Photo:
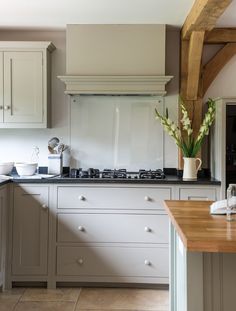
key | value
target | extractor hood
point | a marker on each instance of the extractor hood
(115, 59)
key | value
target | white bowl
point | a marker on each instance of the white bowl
(25, 168)
(6, 167)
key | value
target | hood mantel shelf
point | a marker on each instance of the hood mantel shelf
(129, 85)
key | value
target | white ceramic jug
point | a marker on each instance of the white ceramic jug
(191, 168)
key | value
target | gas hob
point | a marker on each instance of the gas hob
(93, 173)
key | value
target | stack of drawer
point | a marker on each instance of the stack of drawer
(112, 234)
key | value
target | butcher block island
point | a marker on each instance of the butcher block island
(202, 258)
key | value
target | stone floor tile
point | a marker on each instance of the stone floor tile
(43, 294)
(45, 306)
(9, 298)
(123, 299)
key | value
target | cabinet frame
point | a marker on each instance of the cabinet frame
(45, 48)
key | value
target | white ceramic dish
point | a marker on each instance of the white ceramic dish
(26, 168)
(6, 167)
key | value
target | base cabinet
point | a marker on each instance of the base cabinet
(30, 230)
(92, 233)
(3, 219)
(201, 281)
(112, 233)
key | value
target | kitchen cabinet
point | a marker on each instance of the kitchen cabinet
(111, 233)
(119, 233)
(30, 230)
(199, 193)
(25, 84)
(3, 210)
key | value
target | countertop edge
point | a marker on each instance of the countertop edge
(172, 180)
(195, 244)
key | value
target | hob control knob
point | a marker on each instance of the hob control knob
(82, 198)
(147, 262)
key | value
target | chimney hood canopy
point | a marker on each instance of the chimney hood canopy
(115, 59)
(128, 85)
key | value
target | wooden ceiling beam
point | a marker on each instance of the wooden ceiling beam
(194, 64)
(203, 16)
(214, 66)
(220, 35)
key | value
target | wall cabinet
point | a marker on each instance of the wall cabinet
(3, 218)
(30, 230)
(25, 84)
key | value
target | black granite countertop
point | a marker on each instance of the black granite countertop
(170, 179)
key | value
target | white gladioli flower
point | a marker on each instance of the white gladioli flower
(189, 131)
(173, 127)
(168, 121)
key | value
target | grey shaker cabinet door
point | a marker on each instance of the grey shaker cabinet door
(23, 87)
(3, 202)
(1, 87)
(30, 230)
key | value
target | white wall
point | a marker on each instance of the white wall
(224, 84)
(17, 144)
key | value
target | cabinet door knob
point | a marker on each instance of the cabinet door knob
(81, 228)
(7, 107)
(82, 198)
(147, 262)
(44, 206)
(147, 198)
(147, 229)
(80, 261)
(1, 107)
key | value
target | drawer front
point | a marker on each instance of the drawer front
(112, 198)
(197, 194)
(112, 261)
(112, 228)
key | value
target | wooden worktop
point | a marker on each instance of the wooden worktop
(199, 230)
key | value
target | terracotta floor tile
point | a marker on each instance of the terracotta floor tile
(43, 294)
(123, 299)
(45, 306)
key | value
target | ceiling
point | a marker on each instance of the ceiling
(55, 14)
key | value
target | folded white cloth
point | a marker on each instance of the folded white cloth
(219, 207)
